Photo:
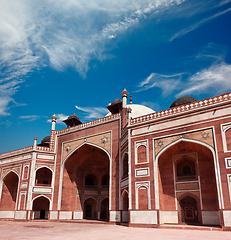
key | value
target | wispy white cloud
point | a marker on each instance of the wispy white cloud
(168, 83)
(29, 117)
(215, 78)
(67, 33)
(198, 24)
(93, 112)
(61, 33)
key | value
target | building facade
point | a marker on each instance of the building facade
(134, 166)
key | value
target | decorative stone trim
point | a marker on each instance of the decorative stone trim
(229, 185)
(142, 172)
(23, 171)
(16, 169)
(24, 185)
(42, 190)
(137, 145)
(224, 128)
(124, 183)
(16, 152)
(228, 162)
(89, 124)
(145, 184)
(182, 109)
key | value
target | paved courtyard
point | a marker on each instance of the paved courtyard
(59, 230)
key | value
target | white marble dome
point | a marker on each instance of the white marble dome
(137, 110)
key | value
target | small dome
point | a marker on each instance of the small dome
(46, 140)
(183, 100)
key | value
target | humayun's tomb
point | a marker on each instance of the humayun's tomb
(134, 166)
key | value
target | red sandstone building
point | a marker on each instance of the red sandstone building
(134, 165)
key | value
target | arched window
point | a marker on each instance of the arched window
(43, 176)
(186, 169)
(90, 181)
(125, 165)
(141, 154)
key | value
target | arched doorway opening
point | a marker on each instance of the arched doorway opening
(188, 210)
(186, 168)
(104, 213)
(125, 213)
(40, 209)
(43, 177)
(9, 192)
(90, 208)
(86, 176)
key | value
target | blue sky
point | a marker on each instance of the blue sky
(72, 56)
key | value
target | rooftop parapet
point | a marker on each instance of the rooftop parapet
(183, 109)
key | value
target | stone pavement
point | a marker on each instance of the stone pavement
(61, 230)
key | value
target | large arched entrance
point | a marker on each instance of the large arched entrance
(86, 182)
(9, 192)
(187, 184)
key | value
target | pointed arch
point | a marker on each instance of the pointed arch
(41, 196)
(43, 176)
(40, 207)
(80, 158)
(184, 140)
(81, 145)
(90, 208)
(215, 161)
(12, 170)
(9, 191)
(44, 166)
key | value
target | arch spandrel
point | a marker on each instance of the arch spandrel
(205, 136)
(37, 165)
(16, 169)
(102, 140)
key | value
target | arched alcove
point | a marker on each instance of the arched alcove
(40, 209)
(90, 209)
(9, 192)
(141, 154)
(188, 210)
(194, 174)
(43, 176)
(85, 176)
(90, 181)
(104, 209)
(125, 204)
(125, 165)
